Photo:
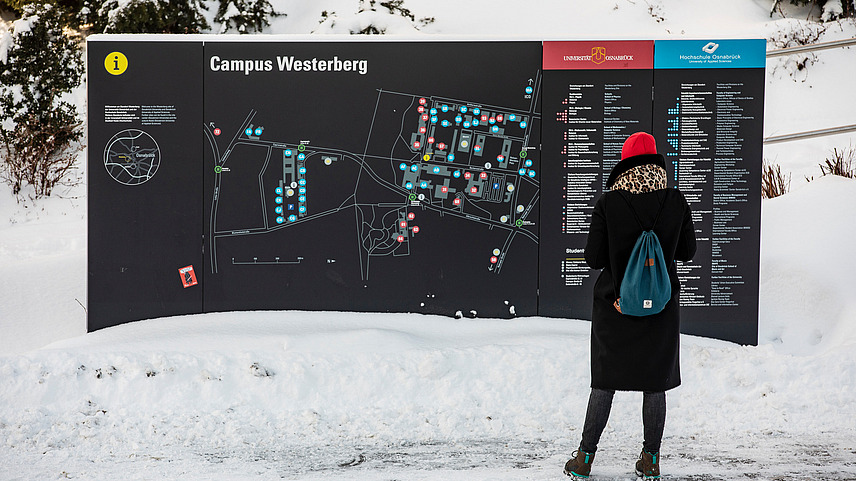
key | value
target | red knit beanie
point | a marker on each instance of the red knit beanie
(639, 143)
(639, 149)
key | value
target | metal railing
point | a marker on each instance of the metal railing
(810, 134)
(819, 132)
(811, 47)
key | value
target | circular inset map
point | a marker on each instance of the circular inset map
(132, 157)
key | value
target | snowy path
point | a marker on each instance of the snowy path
(777, 457)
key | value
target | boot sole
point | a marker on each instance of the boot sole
(642, 475)
(573, 474)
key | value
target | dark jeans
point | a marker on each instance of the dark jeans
(653, 419)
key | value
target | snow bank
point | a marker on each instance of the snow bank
(807, 267)
(42, 266)
(315, 391)
(42, 283)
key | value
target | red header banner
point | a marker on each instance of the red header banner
(599, 55)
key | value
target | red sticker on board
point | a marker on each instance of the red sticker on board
(188, 277)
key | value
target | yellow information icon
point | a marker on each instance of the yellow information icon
(116, 63)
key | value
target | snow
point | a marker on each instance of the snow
(804, 264)
(297, 394)
(832, 9)
(24, 25)
(344, 396)
(230, 13)
(10, 30)
(382, 22)
(5, 41)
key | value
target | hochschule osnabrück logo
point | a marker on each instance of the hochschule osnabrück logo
(710, 48)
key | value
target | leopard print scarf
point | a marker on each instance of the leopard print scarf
(642, 179)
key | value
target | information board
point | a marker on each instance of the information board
(406, 176)
(703, 102)
(144, 183)
(596, 94)
(708, 122)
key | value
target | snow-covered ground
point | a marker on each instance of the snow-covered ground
(325, 395)
(302, 395)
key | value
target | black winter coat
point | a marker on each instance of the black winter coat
(636, 353)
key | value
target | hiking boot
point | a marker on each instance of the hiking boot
(580, 465)
(648, 465)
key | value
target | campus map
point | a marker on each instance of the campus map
(426, 196)
(450, 158)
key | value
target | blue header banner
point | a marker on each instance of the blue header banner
(692, 54)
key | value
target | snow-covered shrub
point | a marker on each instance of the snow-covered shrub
(832, 10)
(395, 7)
(656, 11)
(5, 41)
(68, 8)
(825, 10)
(773, 182)
(14, 4)
(842, 162)
(244, 15)
(143, 16)
(39, 131)
(792, 33)
(391, 17)
(185, 16)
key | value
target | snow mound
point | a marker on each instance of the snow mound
(807, 267)
(311, 395)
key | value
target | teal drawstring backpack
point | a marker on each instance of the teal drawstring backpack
(645, 289)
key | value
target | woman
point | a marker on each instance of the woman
(633, 353)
